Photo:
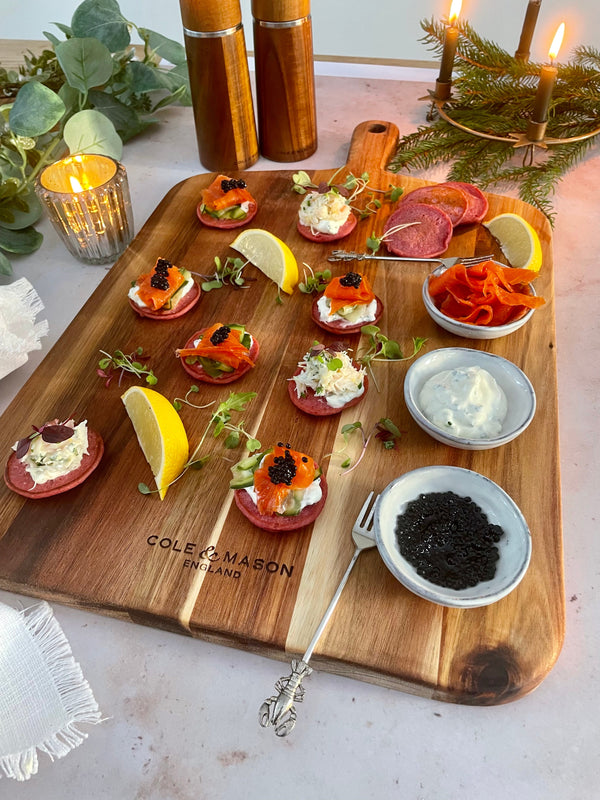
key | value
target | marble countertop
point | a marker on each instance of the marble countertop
(181, 714)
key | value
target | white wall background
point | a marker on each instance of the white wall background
(379, 29)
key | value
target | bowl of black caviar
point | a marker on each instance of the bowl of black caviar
(452, 536)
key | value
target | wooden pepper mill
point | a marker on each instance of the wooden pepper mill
(220, 83)
(285, 83)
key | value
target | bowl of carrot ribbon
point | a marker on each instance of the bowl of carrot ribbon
(486, 301)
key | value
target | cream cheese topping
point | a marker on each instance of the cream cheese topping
(362, 312)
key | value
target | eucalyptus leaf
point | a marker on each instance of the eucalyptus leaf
(103, 20)
(36, 110)
(170, 50)
(25, 213)
(23, 241)
(66, 29)
(90, 131)
(128, 123)
(54, 40)
(86, 62)
(142, 78)
(71, 98)
(5, 265)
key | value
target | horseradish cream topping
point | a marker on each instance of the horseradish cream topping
(466, 402)
(45, 461)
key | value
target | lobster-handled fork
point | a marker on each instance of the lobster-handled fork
(279, 711)
(349, 255)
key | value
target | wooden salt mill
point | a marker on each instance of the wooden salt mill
(285, 83)
(220, 83)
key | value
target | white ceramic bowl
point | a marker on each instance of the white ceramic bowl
(520, 395)
(466, 329)
(514, 547)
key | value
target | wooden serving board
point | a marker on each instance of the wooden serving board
(192, 564)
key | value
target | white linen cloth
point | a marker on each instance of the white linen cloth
(19, 332)
(43, 694)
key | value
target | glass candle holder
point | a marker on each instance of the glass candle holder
(87, 199)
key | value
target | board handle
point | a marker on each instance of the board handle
(373, 144)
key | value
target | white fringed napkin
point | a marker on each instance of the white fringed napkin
(43, 694)
(19, 332)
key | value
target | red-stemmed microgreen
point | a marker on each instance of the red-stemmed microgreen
(51, 433)
(219, 421)
(384, 429)
(120, 363)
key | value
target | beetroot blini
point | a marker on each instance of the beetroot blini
(316, 236)
(187, 302)
(18, 479)
(450, 199)
(276, 523)
(340, 325)
(477, 206)
(428, 239)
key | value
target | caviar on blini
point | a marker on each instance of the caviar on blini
(449, 540)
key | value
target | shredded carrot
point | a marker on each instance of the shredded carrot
(487, 294)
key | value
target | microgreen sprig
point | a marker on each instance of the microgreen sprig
(122, 363)
(315, 282)
(221, 421)
(381, 348)
(227, 273)
(384, 429)
(374, 242)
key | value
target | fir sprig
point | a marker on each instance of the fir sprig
(493, 93)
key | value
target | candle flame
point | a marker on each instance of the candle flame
(75, 185)
(454, 11)
(557, 41)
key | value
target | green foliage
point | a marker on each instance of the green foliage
(87, 93)
(493, 93)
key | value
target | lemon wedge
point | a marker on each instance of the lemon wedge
(160, 433)
(518, 240)
(270, 255)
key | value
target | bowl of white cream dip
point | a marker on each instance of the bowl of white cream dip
(469, 399)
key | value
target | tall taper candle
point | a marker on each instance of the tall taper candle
(450, 41)
(544, 93)
(531, 15)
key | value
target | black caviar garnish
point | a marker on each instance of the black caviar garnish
(158, 281)
(351, 279)
(283, 469)
(227, 184)
(448, 540)
(220, 335)
(163, 266)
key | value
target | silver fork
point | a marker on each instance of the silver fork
(349, 255)
(279, 710)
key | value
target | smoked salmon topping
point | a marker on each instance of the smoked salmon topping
(486, 294)
(351, 289)
(224, 193)
(156, 288)
(281, 472)
(220, 343)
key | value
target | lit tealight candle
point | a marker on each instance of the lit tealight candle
(87, 199)
(547, 79)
